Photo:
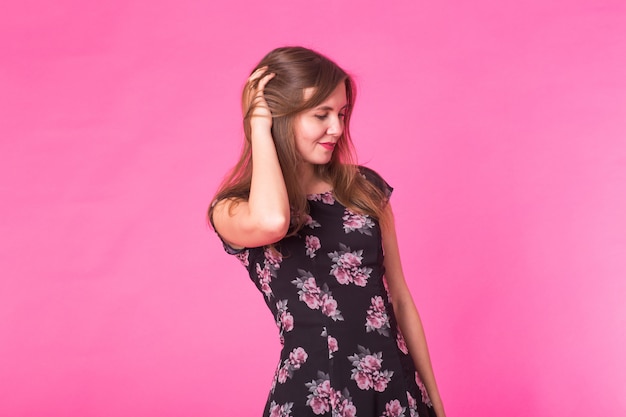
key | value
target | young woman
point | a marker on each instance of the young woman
(316, 234)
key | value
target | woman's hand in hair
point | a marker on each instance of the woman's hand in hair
(255, 106)
(264, 217)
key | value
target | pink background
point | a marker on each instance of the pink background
(501, 124)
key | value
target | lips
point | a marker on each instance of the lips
(328, 145)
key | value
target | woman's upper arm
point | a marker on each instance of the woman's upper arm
(393, 265)
(236, 226)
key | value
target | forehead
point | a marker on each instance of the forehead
(336, 99)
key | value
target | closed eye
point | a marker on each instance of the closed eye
(325, 116)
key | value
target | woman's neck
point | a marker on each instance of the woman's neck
(310, 182)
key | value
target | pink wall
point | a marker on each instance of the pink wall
(502, 125)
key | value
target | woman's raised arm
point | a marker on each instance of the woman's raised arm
(264, 218)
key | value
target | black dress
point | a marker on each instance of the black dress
(342, 354)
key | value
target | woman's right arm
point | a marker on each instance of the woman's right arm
(264, 218)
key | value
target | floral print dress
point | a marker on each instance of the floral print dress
(342, 352)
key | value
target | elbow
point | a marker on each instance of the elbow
(274, 227)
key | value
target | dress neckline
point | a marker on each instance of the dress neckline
(323, 193)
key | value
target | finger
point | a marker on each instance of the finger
(257, 74)
(263, 82)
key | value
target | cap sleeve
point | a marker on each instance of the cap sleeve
(378, 181)
(229, 249)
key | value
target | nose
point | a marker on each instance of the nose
(336, 127)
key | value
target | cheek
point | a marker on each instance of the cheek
(300, 131)
(307, 133)
(301, 142)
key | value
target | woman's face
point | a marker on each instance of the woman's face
(317, 130)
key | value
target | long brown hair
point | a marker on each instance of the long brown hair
(297, 69)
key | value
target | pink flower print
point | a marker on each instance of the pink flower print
(347, 409)
(273, 257)
(243, 257)
(311, 299)
(283, 373)
(381, 379)
(316, 297)
(326, 198)
(263, 273)
(367, 370)
(353, 221)
(324, 388)
(274, 409)
(346, 266)
(377, 318)
(319, 405)
(297, 357)
(277, 410)
(333, 346)
(275, 379)
(360, 276)
(284, 319)
(265, 277)
(370, 363)
(342, 275)
(267, 290)
(363, 380)
(374, 321)
(425, 397)
(394, 409)
(341, 403)
(412, 405)
(357, 222)
(268, 271)
(310, 285)
(401, 343)
(310, 222)
(329, 305)
(311, 294)
(323, 398)
(312, 244)
(351, 259)
(378, 303)
(335, 398)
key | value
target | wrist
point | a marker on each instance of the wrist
(262, 135)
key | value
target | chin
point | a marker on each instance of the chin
(326, 159)
(318, 161)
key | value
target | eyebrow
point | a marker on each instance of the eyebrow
(328, 108)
